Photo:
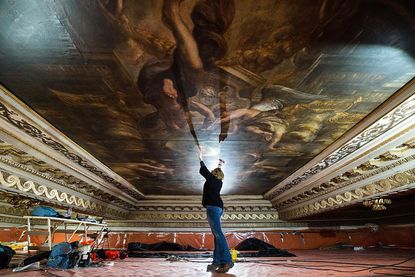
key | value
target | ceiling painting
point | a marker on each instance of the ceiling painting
(265, 85)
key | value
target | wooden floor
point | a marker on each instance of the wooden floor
(374, 262)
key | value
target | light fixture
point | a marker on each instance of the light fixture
(378, 204)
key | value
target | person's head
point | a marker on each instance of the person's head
(218, 173)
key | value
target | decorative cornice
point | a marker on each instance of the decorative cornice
(378, 165)
(50, 194)
(29, 163)
(196, 216)
(174, 218)
(244, 216)
(398, 182)
(199, 208)
(128, 225)
(200, 225)
(396, 116)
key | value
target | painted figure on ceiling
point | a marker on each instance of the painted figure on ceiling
(168, 84)
(266, 118)
(189, 78)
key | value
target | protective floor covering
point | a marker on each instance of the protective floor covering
(380, 262)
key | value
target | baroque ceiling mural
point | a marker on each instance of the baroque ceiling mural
(265, 85)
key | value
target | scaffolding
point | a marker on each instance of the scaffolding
(49, 226)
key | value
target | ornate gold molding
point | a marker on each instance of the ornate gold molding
(48, 194)
(157, 218)
(128, 225)
(385, 186)
(364, 171)
(123, 225)
(253, 217)
(202, 216)
(235, 216)
(13, 181)
(23, 161)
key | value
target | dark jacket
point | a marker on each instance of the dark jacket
(211, 188)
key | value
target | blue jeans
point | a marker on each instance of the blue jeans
(221, 253)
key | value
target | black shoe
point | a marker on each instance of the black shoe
(212, 267)
(223, 268)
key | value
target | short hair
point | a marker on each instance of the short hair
(218, 173)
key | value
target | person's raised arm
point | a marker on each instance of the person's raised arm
(203, 169)
(186, 45)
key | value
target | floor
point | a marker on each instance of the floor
(380, 262)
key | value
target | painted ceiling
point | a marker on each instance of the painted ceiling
(265, 85)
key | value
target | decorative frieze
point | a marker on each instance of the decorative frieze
(350, 177)
(200, 225)
(51, 194)
(398, 182)
(19, 159)
(195, 216)
(202, 216)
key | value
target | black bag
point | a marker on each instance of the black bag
(159, 246)
(6, 254)
(264, 249)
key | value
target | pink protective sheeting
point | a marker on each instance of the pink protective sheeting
(299, 239)
(11, 234)
(307, 263)
(118, 240)
(195, 240)
(150, 237)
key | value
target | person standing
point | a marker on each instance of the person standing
(213, 203)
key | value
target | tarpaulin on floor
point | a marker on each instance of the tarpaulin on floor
(313, 263)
